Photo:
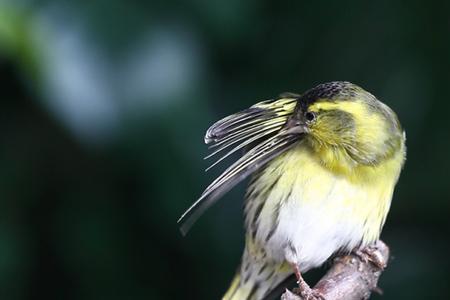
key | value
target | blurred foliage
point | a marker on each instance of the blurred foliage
(105, 104)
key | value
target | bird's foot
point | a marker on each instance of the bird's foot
(370, 254)
(304, 290)
(307, 293)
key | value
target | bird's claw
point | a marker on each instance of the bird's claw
(369, 254)
(307, 293)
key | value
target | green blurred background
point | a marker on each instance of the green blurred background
(105, 103)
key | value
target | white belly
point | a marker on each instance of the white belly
(310, 213)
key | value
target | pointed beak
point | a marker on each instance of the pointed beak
(294, 127)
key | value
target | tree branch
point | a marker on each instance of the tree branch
(351, 277)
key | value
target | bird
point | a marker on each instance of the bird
(323, 167)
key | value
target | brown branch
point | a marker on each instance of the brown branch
(351, 277)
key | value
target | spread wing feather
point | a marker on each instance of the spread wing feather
(258, 126)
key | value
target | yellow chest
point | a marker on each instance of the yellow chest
(297, 202)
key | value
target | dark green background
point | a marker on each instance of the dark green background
(105, 103)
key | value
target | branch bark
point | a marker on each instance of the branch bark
(351, 277)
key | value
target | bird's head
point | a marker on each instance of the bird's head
(345, 127)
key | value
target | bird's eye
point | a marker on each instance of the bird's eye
(310, 116)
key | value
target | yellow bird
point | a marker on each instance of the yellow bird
(324, 165)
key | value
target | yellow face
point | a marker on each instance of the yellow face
(352, 132)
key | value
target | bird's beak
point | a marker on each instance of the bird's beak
(294, 126)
